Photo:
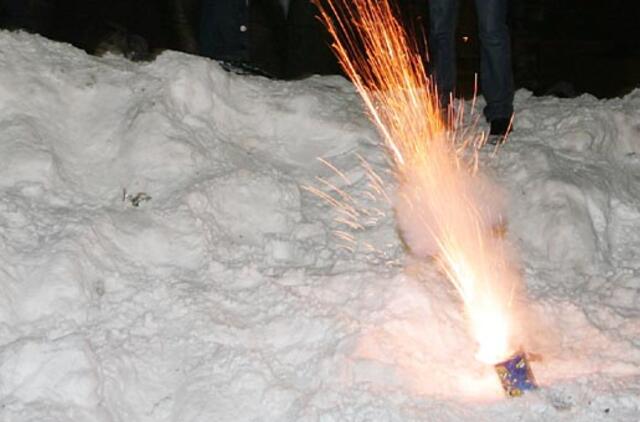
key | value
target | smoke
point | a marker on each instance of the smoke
(423, 213)
(445, 208)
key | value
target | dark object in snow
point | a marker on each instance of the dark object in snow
(499, 130)
(562, 89)
(120, 41)
(500, 127)
(136, 199)
(244, 68)
(515, 375)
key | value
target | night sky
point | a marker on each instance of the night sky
(560, 47)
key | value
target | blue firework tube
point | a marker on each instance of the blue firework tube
(515, 375)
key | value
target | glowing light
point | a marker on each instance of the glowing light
(443, 204)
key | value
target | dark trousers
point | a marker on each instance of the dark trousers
(224, 29)
(245, 32)
(496, 76)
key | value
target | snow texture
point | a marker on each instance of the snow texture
(227, 297)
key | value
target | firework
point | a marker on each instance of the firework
(515, 375)
(445, 207)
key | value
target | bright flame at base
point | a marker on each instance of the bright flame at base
(445, 208)
(438, 212)
(491, 330)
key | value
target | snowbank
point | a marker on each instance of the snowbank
(226, 295)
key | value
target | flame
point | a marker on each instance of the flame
(443, 204)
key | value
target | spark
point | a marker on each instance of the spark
(352, 213)
(443, 203)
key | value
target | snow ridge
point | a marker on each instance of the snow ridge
(226, 297)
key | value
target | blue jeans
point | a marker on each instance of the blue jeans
(496, 76)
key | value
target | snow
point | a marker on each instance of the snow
(227, 297)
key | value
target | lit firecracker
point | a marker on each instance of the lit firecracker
(444, 206)
(515, 375)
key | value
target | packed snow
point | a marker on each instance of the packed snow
(162, 258)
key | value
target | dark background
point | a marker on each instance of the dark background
(560, 47)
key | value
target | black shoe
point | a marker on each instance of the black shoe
(500, 128)
(244, 68)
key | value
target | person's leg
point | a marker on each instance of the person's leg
(224, 26)
(496, 75)
(308, 42)
(184, 22)
(443, 15)
(266, 36)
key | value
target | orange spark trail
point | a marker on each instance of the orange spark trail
(445, 208)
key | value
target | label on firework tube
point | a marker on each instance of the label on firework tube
(515, 375)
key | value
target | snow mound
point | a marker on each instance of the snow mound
(221, 292)
(577, 179)
(61, 371)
